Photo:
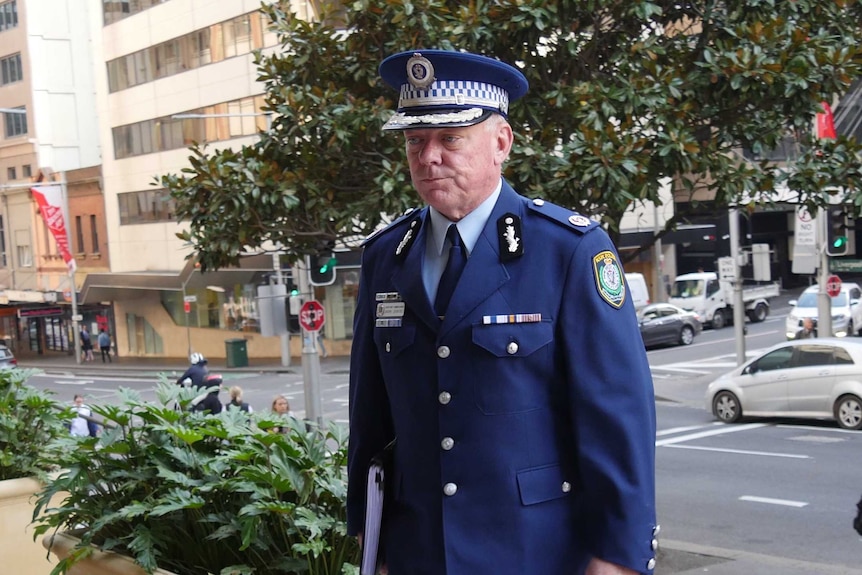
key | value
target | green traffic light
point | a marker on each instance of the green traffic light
(839, 242)
(328, 265)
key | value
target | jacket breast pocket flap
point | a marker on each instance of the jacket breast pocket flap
(541, 484)
(393, 340)
(498, 339)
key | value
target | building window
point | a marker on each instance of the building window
(10, 173)
(94, 234)
(16, 123)
(8, 15)
(146, 207)
(10, 69)
(2, 243)
(26, 171)
(22, 249)
(116, 10)
(215, 123)
(79, 235)
(234, 37)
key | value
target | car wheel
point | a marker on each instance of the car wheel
(686, 336)
(759, 313)
(726, 407)
(848, 412)
(718, 320)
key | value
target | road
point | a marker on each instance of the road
(777, 493)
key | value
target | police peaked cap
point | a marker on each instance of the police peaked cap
(443, 88)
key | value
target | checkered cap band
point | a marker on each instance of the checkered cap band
(454, 93)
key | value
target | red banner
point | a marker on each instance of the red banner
(826, 123)
(50, 201)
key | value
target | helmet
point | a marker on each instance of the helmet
(197, 358)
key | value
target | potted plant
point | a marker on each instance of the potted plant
(30, 421)
(202, 494)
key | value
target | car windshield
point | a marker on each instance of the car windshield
(687, 288)
(809, 299)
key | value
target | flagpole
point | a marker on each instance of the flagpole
(76, 330)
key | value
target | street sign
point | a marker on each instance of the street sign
(78, 317)
(833, 285)
(845, 265)
(190, 298)
(726, 269)
(187, 307)
(311, 315)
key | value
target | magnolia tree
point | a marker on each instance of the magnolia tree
(623, 95)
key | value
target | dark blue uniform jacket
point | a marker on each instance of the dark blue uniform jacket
(525, 443)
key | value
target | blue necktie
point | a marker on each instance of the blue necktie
(454, 267)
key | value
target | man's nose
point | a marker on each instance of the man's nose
(430, 154)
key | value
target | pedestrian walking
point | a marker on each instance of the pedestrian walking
(494, 345)
(105, 345)
(86, 345)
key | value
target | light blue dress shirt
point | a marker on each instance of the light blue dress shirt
(437, 248)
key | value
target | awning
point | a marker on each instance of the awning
(99, 287)
(682, 235)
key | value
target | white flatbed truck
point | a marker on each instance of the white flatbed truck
(712, 298)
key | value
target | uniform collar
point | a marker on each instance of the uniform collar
(470, 226)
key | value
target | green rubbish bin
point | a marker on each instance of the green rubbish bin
(236, 352)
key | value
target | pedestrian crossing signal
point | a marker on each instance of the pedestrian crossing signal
(322, 272)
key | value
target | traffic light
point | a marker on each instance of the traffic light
(323, 269)
(837, 243)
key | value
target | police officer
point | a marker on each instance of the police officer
(522, 409)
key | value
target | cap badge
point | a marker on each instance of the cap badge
(420, 71)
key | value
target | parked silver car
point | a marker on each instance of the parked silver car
(7, 358)
(812, 378)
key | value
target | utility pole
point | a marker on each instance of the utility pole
(824, 302)
(738, 305)
(310, 357)
(282, 308)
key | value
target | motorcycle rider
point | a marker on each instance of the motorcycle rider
(196, 373)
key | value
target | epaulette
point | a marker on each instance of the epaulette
(565, 217)
(399, 221)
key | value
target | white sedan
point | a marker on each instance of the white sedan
(812, 378)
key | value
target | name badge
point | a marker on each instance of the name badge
(390, 309)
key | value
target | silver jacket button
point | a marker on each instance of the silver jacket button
(450, 489)
(651, 564)
(444, 398)
(447, 443)
(443, 351)
(654, 544)
(566, 486)
(512, 348)
(656, 530)
(538, 202)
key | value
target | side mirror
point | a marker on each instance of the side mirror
(750, 370)
(792, 303)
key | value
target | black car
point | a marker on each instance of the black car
(663, 323)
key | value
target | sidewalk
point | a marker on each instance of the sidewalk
(64, 363)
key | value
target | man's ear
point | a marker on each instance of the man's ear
(504, 141)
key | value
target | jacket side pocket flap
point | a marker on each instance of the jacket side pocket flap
(541, 484)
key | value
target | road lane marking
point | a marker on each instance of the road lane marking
(73, 381)
(740, 451)
(680, 429)
(771, 501)
(678, 368)
(702, 434)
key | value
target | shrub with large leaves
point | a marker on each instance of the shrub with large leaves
(196, 493)
(30, 419)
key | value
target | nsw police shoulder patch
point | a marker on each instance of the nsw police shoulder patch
(609, 278)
